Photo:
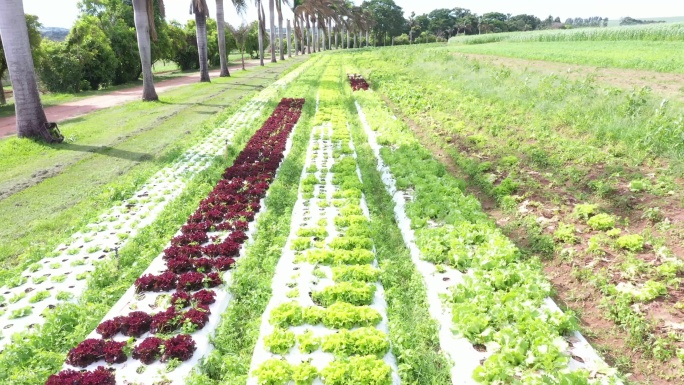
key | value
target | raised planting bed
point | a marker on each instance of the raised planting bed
(62, 276)
(168, 314)
(498, 323)
(327, 319)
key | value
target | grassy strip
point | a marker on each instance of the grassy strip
(238, 331)
(99, 131)
(414, 334)
(41, 218)
(33, 356)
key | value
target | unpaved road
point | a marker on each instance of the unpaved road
(77, 108)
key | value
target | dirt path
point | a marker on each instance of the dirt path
(667, 85)
(81, 107)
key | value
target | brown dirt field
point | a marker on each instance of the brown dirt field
(668, 85)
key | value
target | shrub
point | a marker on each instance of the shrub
(59, 68)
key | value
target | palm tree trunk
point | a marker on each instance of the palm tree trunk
(289, 41)
(303, 31)
(271, 14)
(348, 40)
(296, 38)
(31, 119)
(367, 39)
(308, 40)
(354, 34)
(201, 28)
(221, 27)
(261, 33)
(142, 28)
(330, 32)
(314, 34)
(336, 46)
(3, 101)
(279, 7)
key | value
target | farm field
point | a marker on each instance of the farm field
(660, 56)
(538, 150)
(379, 216)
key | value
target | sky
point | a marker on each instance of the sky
(62, 13)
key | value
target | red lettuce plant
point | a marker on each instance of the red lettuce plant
(202, 264)
(149, 350)
(223, 263)
(204, 297)
(357, 82)
(114, 352)
(198, 316)
(180, 347)
(165, 321)
(212, 280)
(136, 324)
(179, 264)
(110, 328)
(150, 282)
(87, 352)
(99, 376)
(180, 299)
(183, 251)
(190, 281)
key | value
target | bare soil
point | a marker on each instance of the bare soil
(668, 85)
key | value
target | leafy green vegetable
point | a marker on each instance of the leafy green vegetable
(280, 341)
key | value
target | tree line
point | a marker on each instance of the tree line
(117, 41)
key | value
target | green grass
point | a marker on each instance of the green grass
(661, 56)
(104, 164)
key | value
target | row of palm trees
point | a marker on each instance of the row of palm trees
(311, 18)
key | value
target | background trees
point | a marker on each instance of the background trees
(31, 119)
(33, 26)
(101, 48)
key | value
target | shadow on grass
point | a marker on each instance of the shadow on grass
(104, 150)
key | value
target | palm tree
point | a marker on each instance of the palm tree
(289, 39)
(31, 119)
(279, 8)
(240, 6)
(143, 11)
(241, 34)
(262, 20)
(315, 12)
(201, 11)
(271, 14)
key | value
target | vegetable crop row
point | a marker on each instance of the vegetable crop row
(191, 259)
(499, 301)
